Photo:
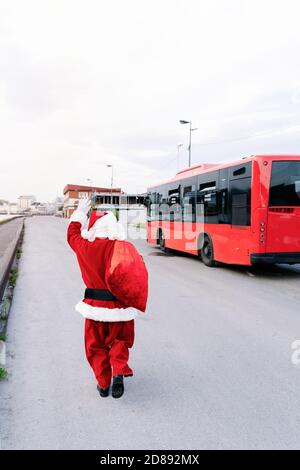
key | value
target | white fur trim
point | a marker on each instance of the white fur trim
(106, 227)
(106, 314)
(79, 216)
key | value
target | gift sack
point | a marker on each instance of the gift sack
(127, 276)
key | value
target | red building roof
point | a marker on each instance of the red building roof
(76, 187)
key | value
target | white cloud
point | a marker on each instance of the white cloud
(83, 83)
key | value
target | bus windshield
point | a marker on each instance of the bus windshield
(285, 183)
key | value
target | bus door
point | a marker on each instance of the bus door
(240, 214)
(175, 217)
(189, 233)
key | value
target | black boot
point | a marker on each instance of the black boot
(103, 391)
(117, 386)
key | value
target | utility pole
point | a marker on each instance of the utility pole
(111, 183)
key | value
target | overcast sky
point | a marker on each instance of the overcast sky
(84, 83)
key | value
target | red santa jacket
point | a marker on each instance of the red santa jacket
(94, 259)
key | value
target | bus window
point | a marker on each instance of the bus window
(210, 205)
(240, 191)
(223, 206)
(163, 204)
(189, 204)
(224, 216)
(239, 171)
(285, 184)
(174, 196)
(209, 185)
(187, 189)
(208, 198)
(174, 204)
(152, 206)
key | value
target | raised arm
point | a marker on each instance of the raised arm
(77, 221)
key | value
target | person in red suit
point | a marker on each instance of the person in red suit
(111, 295)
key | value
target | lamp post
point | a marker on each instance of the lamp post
(190, 140)
(111, 183)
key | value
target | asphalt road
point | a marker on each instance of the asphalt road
(212, 357)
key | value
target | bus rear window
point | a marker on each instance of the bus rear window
(285, 184)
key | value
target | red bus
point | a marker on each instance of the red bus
(245, 212)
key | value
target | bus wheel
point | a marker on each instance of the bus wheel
(161, 241)
(207, 253)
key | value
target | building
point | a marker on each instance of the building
(59, 203)
(4, 207)
(58, 206)
(41, 208)
(7, 207)
(129, 206)
(25, 202)
(73, 192)
(14, 208)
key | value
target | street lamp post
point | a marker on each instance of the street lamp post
(190, 140)
(111, 183)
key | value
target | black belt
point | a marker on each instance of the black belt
(98, 294)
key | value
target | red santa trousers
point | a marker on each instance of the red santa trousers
(107, 348)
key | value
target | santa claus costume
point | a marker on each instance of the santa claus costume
(111, 294)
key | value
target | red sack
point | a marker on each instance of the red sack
(127, 276)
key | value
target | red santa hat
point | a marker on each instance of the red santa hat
(95, 215)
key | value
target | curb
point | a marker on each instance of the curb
(5, 221)
(8, 261)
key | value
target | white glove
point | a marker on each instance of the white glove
(84, 205)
